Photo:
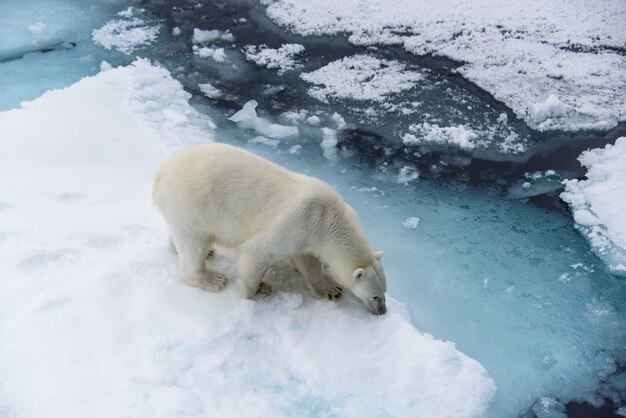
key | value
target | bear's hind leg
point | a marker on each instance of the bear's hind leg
(192, 252)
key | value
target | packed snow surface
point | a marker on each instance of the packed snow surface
(557, 65)
(94, 320)
(599, 203)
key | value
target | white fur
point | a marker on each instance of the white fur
(219, 194)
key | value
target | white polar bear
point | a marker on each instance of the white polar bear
(219, 194)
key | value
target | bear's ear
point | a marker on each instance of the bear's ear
(378, 255)
(358, 273)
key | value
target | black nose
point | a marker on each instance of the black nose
(382, 310)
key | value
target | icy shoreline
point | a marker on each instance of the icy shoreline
(597, 203)
(93, 311)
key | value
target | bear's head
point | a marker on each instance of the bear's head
(370, 284)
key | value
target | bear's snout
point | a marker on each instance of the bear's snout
(378, 306)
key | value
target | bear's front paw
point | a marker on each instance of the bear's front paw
(214, 282)
(264, 290)
(333, 292)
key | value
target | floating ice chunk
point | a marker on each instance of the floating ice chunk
(598, 203)
(210, 91)
(546, 407)
(313, 120)
(265, 141)
(295, 116)
(360, 77)
(282, 58)
(176, 31)
(339, 120)
(204, 37)
(411, 222)
(535, 184)
(329, 143)
(247, 118)
(126, 34)
(425, 133)
(407, 174)
(126, 13)
(295, 149)
(217, 54)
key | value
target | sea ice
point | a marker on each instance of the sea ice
(411, 222)
(282, 59)
(598, 203)
(535, 184)
(204, 37)
(94, 314)
(525, 54)
(205, 52)
(210, 91)
(425, 133)
(360, 77)
(127, 33)
(247, 118)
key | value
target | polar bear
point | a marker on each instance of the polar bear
(219, 194)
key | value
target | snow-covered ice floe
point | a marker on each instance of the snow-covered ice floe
(127, 33)
(282, 59)
(553, 68)
(95, 321)
(599, 202)
(360, 77)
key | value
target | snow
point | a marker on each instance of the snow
(425, 133)
(360, 77)
(247, 118)
(523, 53)
(598, 203)
(282, 59)
(545, 115)
(94, 316)
(126, 34)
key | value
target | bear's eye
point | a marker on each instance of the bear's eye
(376, 297)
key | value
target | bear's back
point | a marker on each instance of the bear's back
(233, 192)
